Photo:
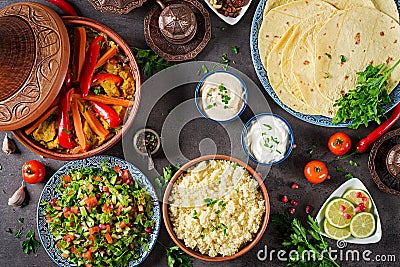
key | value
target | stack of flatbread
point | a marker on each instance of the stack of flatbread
(312, 50)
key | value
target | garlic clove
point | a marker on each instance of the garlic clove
(8, 145)
(17, 199)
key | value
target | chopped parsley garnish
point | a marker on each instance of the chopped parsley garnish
(342, 59)
(339, 169)
(19, 232)
(217, 211)
(234, 167)
(353, 163)
(235, 49)
(194, 216)
(21, 220)
(268, 126)
(210, 202)
(328, 55)
(349, 176)
(66, 131)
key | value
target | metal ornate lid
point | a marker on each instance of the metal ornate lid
(159, 42)
(177, 23)
(118, 7)
(384, 163)
(34, 55)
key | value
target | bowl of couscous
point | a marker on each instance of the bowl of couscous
(216, 208)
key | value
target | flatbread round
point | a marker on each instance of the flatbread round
(289, 79)
(339, 4)
(361, 36)
(280, 19)
(388, 7)
(275, 75)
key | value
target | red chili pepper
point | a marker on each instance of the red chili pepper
(68, 79)
(107, 113)
(66, 7)
(64, 126)
(101, 77)
(89, 66)
(364, 144)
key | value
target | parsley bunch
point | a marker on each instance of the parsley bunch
(31, 244)
(367, 100)
(297, 237)
(150, 62)
(162, 181)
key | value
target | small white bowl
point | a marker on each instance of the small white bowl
(352, 184)
(229, 20)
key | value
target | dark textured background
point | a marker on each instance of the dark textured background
(130, 27)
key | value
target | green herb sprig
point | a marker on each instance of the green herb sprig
(150, 62)
(366, 101)
(162, 181)
(296, 236)
(31, 244)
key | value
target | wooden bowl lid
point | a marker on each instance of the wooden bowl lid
(34, 55)
(118, 7)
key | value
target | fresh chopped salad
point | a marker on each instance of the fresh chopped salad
(102, 217)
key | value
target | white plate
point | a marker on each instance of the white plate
(229, 20)
(352, 184)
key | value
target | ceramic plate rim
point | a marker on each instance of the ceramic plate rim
(95, 161)
(262, 76)
(353, 183)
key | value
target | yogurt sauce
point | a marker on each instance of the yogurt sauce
(267, 139)
(222, 96)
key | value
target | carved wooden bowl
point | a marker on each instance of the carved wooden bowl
(124, 47)
(384, 163)
(118, 7)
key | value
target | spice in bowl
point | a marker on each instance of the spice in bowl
(146, 140)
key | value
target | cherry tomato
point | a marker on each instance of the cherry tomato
(33, 172)
(316, 172)
(339, 143)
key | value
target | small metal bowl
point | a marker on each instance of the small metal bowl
(197, 96)
(245, 146)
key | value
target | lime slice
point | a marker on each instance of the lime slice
(339, 212)
(362, 225)
(357, 196)
(336, 233)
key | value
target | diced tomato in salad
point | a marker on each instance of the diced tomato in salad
(95, 218)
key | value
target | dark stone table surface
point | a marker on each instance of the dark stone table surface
(278, 179)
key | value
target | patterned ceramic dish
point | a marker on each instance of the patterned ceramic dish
(49, 192)
(262, 76)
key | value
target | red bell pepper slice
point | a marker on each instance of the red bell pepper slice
(89, 66)
(66, 7)
(101, 77)
(64, 125)
(107, 114)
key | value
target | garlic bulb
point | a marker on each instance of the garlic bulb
(8, 145)
(18, 197)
